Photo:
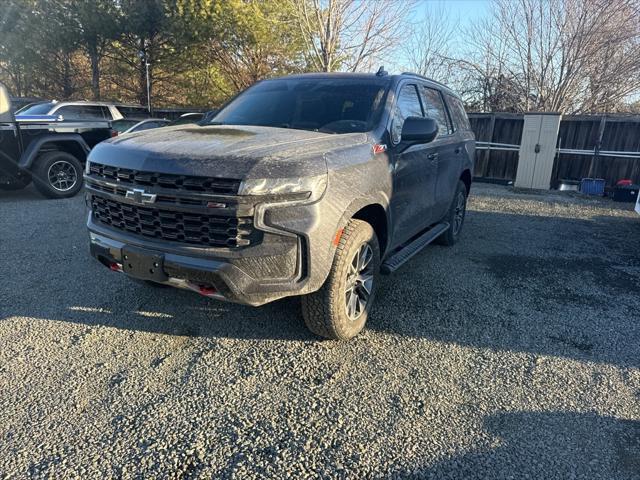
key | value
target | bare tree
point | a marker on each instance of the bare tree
(350, 34)
(480, 73)
(569, 56)
(429, 50)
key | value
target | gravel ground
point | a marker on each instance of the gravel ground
(515, 354)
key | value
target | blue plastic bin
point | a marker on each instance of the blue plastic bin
(592, 186)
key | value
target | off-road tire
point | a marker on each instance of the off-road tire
(452, 234)
(40, 174)
(324, 311)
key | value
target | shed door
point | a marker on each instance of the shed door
(537, 151)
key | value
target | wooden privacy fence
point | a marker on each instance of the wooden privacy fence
(588, 146)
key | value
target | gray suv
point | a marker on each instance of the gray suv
(308, 185)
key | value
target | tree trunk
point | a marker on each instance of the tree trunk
(67, 82)
(142, 83)
(17, 82)
(95, 71)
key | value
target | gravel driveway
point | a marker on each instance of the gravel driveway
(515, 354)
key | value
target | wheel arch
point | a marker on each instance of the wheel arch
(376, 216)
(70, 143)
(373, 209)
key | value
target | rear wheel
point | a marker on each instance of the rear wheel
(455, 216)
(339, 310)
(57, 175)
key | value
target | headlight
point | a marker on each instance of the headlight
(87, 169)
(308, 187)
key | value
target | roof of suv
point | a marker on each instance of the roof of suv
(57, 103)
(368, 76)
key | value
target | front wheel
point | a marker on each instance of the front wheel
(339, 310)
(57, 175)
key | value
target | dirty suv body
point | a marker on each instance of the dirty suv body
(305, 185)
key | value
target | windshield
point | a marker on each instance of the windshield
(124, 124)
(331, 105)
(187, 119)
(36, 109)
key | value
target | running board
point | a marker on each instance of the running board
(398, 259)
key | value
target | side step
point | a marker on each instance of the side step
(398, 259)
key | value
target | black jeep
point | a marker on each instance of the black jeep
(50, 153)
(306, 185)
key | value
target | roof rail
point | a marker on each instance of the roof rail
(425, 78)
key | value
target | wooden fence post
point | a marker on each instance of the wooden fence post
(487, 152)
(598, 145)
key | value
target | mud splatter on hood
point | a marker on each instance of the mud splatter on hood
(225, 151)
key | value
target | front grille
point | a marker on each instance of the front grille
(166, 199)
(211, 185)
(188, 228)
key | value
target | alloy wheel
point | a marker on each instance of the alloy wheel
(62, 176)
(359, 284)
(460, 209)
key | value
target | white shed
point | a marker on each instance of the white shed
(537, 150)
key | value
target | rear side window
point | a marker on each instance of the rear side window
(459, 116)
(36, 109)
(106, 113)
(434, 105)
(81, 112)
(133, 111)
(408, 105)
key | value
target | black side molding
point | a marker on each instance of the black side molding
(398, 259)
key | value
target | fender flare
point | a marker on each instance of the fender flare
(29, 155)
(374, 198)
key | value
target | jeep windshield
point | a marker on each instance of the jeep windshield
(330, 105)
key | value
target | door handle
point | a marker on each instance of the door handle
(458, 150)
(432, 156)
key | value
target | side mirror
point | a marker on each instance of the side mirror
(417, 130)
(6, 115)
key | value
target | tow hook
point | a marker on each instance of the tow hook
(206, 291)
(115, 267)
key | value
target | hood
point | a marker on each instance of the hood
(225, 151)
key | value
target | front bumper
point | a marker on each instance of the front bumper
(277, 248)
(217, 277)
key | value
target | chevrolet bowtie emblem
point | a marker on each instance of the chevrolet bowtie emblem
(138, 195)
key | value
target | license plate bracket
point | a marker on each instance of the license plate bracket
(143, 264)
